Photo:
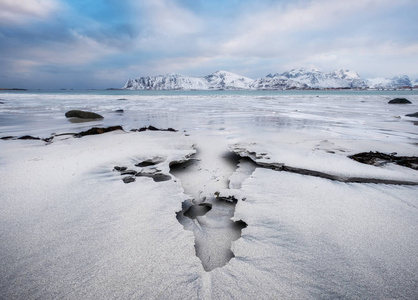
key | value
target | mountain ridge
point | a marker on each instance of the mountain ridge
(299, 79)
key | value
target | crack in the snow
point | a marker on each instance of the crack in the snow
(282, 167)
(207, 214)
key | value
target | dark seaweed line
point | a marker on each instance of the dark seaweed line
(282, 167)
(91, 131)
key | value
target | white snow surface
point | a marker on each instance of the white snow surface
(70, 228)
(336, 240)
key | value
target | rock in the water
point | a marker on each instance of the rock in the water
(82, 114)
(399, 101)
(414, 115)
(119, 111)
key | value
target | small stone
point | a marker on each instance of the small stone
(128, 179)
(120, 169)
(128, 172)
(145, 163)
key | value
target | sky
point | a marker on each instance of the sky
(100, 44)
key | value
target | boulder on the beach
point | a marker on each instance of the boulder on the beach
(414, 115)
(82, 114)
(399, 101)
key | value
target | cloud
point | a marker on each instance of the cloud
(77, 50)
(99, 39)
(166, 17)
(278, 29)
(165, 26)
(23, 11)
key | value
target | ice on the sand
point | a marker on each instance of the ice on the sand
(71, 229)
(321, 239)
(325, 152)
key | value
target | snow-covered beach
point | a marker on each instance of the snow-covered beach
(71, 228)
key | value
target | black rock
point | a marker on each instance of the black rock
(150, 162)
(119, 111)
(145, 163)
(160, 177)
(28, 137)
(128, 172)
(152, 128)
(99, 130)
(400, 101)
(379, 159)
(120, 169)
(128, 179)
(82, 114)
(9, 137)
(414, 115)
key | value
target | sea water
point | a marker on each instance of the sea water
(42, 112)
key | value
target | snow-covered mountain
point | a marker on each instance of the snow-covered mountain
(390, 83)
(167, 82)
(320, 80)
(216, 81)
(227, 80)
(293, 79)
(271, 82)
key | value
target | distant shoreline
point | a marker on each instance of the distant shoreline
(13, 89)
